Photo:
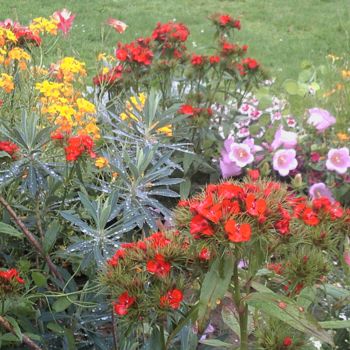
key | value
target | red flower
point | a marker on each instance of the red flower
(121, 54)
(310, 217)
(9, 147)
(315, 157)
(158, 240)
(158, 266)
(197, 60)
(230, 207)
(228, 191)
(110, 77)
(214, 59)
(77, 146)
(256, 207)
(56, 135)
(237, 24)
(224, 19)
(277, 268)
(200, 226)
(204, 254)
(287, 341)
(187, 109)
(238, 233)
(119, 254)
(137, 51)
(253, 174)
(11, 274)
(165, 32)
(124, 302)
(172, 299)
(250, 63)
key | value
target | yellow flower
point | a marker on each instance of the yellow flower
(49, 89)
(345, 73)
(101, 162)
(6, 82)
(44, 25)
(18, 54)
(136, 102)
(85, 106)
(69, 66)
(167, 130)
(6, 35)
(333, 58)
(343, 136)
(101, 56)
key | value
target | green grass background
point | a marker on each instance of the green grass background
(280, 33)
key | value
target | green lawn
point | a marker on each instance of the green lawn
(280, 33)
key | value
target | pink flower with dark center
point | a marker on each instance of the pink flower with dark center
(65, 20)
(286, 139)
(284, 161)
(320, 119)
(319, 190)
(338, 160)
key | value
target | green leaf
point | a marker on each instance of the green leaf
(191, 316)
(335, 324)
(216, 343)
(15, 327)
(55, 327)
(230, 320)
(51, 236)
(69, 336)
(185, 188)
(290, 313)
(9, 337)
(291, 86)
(9, 230)
(215, 284)
(39, 279)
(61, 304)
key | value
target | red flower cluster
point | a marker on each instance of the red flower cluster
(250, 64)
(9, 147)
(225, 21)
(135, 52)
(217, 212)
(10, 275)
(170, 32)
(195, 111)
(77, 146)
(124, 302)
(109, 78)
(23, 34)
(158, 266)
(229, 49)
(172, 299)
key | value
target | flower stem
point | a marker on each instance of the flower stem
(242, 308)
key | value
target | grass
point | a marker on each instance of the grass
(280, 33)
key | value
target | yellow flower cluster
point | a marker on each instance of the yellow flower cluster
(65, 106)
(44, 25)
(101, 162)
(68, 69)
(6, 82)
(6, 37)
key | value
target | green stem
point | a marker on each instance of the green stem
(162, 338)
(242, 308)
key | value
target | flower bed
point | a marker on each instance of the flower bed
(170, 201)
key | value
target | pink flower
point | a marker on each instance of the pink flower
(227, 166)
(240, 154)
(286, 139)
(284, 161)
(347, 257)
(338, 160)
(320, 119)
(65, 20)
(319, 190)
(119, 26)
